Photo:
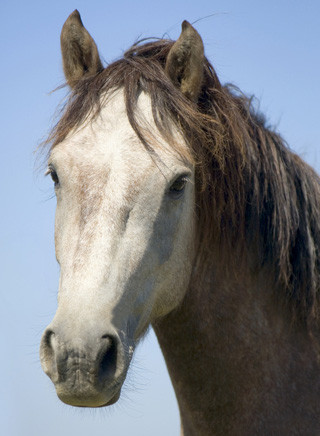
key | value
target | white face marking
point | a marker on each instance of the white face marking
(124, 243)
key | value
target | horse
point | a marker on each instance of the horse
(179, 208)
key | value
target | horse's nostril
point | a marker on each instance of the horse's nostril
(68, 361)
(48, 337)
(107, 358)
(47, 352)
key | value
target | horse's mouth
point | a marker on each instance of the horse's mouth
(92, 398)
(113, 400)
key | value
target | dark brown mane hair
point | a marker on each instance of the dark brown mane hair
(251, 190)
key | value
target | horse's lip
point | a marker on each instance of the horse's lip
(94, 396)
(113, 400)
(93, 400)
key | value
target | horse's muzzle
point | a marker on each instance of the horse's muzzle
(86, 372)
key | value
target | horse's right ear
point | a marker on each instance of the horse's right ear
(185, 62)
(79, 52)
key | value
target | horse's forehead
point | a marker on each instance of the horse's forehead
(109, 148)
(107, 141)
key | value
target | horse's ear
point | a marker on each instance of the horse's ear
(185, 62)
(79, 52)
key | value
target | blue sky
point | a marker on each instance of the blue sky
(270, 49)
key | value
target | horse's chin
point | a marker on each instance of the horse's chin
(87, 400)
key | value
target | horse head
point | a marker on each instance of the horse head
(125, 224)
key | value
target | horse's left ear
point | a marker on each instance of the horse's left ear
(79, 52)
(185, 62)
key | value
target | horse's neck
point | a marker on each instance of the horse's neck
(236, 365)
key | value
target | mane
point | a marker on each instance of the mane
(251, 189)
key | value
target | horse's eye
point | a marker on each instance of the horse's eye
(53, 175)
(178, 185)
